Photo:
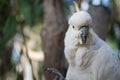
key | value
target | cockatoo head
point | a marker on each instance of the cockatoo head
(81, 22)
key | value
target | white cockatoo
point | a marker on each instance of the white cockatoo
(89, 57)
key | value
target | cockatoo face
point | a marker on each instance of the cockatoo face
(81, 22)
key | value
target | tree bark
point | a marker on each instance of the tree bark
(52, 35)
(101, 18)
(5, 62)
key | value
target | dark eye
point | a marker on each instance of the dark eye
(73, 26)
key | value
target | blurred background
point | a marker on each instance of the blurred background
(32, 34)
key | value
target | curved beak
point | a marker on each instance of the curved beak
(84, 34)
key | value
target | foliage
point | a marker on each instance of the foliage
(15, 13)
(28, 11)
(31, 11)
(9, 30)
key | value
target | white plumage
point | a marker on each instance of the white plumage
(90, 58)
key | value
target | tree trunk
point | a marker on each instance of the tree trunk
(52, 35)
(101, 17)
(5, 62)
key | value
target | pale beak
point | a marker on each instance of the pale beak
(84, 34)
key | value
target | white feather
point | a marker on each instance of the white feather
(94, 60)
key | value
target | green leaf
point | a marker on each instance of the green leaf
(9, 30)
(38, 12)
(25, 11)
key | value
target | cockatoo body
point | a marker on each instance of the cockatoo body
(89, 57)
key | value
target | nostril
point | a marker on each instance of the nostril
(81, 33)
